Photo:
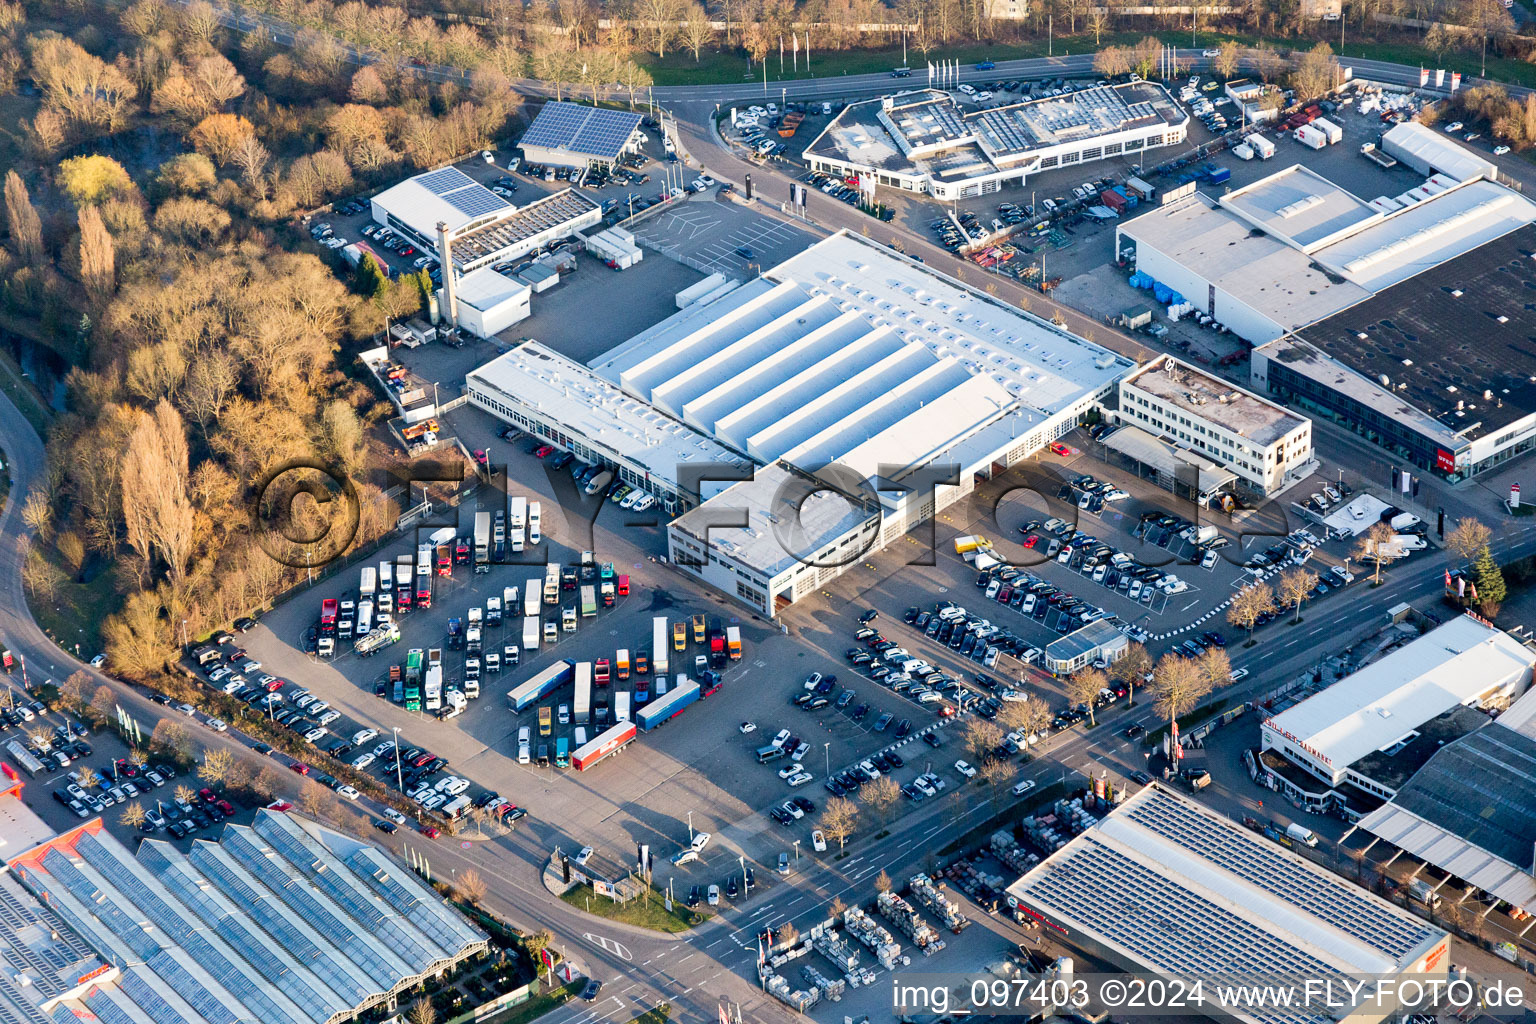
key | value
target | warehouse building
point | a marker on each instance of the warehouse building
(1437, 370)
(1262, 444)
(927, 141)
(572, 135)
(282, 922)
(563, 402)
(482, 228)
(874, 374)
(1165, 886)
(488, 302)
(1467, 811)
(1431, 152)
(1293, 249)
(1334, 735)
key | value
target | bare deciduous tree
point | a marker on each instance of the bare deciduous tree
(839, 819)
(215, 767)
(1084, 687)
(1468, 538)
(1249, 605)
(1178, 684)
(133, 815)
(881, 796)
(26, 225)
(98, 257)
(1294, 585)
(470, 886)
(156, 508)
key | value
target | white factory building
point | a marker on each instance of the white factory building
(941, 143)
(852, 364)
(488, 302)
(1465, 661)
(482, 227)
(868, 390)
(1294, 248)
(565, 403)
(1262, 444)
(1164, 886)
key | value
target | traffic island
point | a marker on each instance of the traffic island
(646, 909)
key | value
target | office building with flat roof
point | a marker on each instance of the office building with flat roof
(1265, 446)
(933, 141)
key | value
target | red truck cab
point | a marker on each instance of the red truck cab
(600, 672)
(328, 616)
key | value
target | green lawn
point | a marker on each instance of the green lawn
(645, 912)
(24, 395)
(75, 617)
(656, 1015)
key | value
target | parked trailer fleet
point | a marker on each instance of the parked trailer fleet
(664, 708)
(609, 741)
(541, 685)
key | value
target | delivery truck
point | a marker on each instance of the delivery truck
(1332, 132)
(367, 582)
(535, 516)
(609, 741)
(659, 645)
(733, 642)
(510, 605)
(665, 708)
(493, 611)
(552, 584)
(531, 630)
(621, 665)
(517, 522)
(1311, 137)
(482, 542)
(581, 708)
(621, 711)
(588, 601)
(540, 685)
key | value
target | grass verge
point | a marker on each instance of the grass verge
(657, 1015)
(646, 911)
(76, 613)
(538, 1006)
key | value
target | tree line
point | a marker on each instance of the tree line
(207, 341)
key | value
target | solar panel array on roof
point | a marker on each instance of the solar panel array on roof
(1261, 865)
(559, 213)
(589, 131)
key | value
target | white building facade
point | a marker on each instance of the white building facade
(1263, 444)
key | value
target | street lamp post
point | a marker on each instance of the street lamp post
(797, 851)
(399, 773)
(690, 826)
(742, 860)
(827, 749)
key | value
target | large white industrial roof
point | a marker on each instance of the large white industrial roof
(1176, 888)
(848, 352)
(595, 410)
(1301, 206)
(1438, 150)
(1278, 281)
(1386, 700)
(485, 289)
(788, 518)
(1426, 234)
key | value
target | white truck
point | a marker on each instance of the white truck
(517, 521)
(367, 582)
(365, 616)
(535, 517)
(1261, 145)
(510, 606)
(1332, 132)
(659, 642)
(1312, 138)
(432, 689)
(493, 611)
(531, 630)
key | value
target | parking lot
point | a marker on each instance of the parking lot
(722, 237)
(100, 778)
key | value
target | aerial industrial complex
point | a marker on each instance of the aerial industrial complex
(928, 141)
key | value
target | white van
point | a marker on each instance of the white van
(1301, 834)
(524, 737)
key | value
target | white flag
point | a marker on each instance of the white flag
(794, 40)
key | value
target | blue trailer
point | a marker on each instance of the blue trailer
(664, 708)
(538, 687)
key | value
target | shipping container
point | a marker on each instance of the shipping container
(662, 709)
(610, 741)
(659, 644)
(581, 710)
(541, 685)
